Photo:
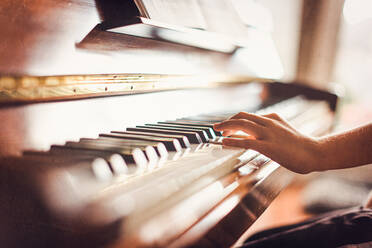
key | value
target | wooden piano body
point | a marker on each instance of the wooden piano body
(62, 78)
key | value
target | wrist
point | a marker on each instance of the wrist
(317, 155)
(325, 156)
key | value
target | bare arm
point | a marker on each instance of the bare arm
(275, 138)
(349, 149)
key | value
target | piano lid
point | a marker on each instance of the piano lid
(46, 38)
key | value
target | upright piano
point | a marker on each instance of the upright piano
(106, 128)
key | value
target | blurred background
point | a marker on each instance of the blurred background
(326, 44)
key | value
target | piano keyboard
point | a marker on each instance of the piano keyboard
(136, 174)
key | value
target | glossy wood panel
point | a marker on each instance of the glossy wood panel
(38, 34)
(37, 126)
(45, 37)
(223, 226)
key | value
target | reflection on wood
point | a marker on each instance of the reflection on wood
(36, 89)
(237, 212)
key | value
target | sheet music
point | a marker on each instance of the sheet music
(177, 12)
(222, 17)
(253, 13)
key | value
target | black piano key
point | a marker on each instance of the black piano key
(209, 131)
(203, 135)
(96, 168)
(171, 144)
(130, 156)
(158, 146)
(189, 123)
(115, 161)
(55, 158)
(149, 151)
(193, 137)
(182, 139)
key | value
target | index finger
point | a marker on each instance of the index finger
(246, 126)
(261, 120)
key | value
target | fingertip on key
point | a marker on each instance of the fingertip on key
(216, 126)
